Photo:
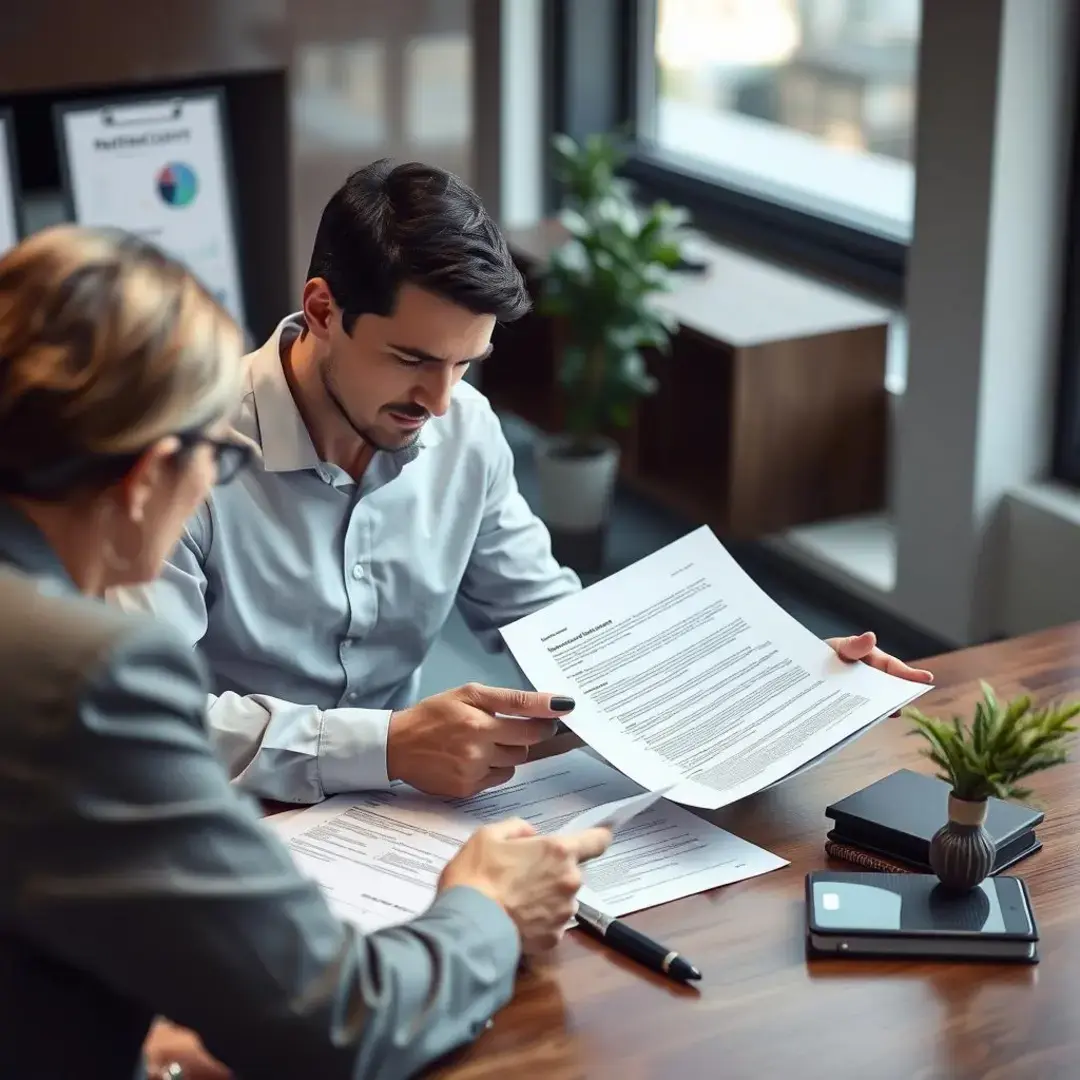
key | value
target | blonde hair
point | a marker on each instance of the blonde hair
(106, 346)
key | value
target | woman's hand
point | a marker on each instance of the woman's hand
(535, 879)
(167, 1044)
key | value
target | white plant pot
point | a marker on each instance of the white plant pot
(575, 497)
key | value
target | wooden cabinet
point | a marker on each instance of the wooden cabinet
(771, 410)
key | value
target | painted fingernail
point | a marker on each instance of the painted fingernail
(562, 704)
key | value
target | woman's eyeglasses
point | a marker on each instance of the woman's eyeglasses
(58, 478)
(230, 457)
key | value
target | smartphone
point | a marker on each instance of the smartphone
(914, 915)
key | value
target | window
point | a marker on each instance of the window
(805, 102)
(784, 126)
(1066, 464)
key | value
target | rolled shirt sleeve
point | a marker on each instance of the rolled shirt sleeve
(298, 753)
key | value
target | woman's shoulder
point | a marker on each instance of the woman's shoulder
(52, 637)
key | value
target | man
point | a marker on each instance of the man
(383, 493)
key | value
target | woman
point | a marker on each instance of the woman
(134, 881)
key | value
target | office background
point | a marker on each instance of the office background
(932, 146)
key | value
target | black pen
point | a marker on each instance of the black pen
(637, 946)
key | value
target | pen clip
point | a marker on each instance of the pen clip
(594, 918)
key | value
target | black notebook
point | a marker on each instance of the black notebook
(898, 816)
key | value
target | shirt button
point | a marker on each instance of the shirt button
(353, 695)
(357, 572)
(346, 643)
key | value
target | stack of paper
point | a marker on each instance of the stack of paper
(687, 674)
(378, 856)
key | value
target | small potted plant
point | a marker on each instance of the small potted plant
(1004, 744)
(601, 287)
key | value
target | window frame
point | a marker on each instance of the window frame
(1066, 450)
(600, 55)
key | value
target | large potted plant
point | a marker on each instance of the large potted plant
(1004, 744)
(601, 286)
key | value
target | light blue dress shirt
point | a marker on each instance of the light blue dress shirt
(314, 600)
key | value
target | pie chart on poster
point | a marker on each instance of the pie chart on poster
(177, 184)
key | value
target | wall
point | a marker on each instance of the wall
(1041, 583)
(995, 116)
(978, 544)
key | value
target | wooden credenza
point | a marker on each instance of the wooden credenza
(771, 411)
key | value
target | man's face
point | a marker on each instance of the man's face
(391, 374)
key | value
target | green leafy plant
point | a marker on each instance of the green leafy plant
(1004, 744)
(603, 284)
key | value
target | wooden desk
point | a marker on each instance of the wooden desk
(764, 1012)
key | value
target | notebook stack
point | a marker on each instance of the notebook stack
(888, 825)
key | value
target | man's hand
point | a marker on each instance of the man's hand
(864, 647)
(462, 741)
(167, 1044)
(535, 879)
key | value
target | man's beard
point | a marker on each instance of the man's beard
(371, 436)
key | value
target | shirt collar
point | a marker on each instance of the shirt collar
(23, 545)
(286, 444)
(283, 435)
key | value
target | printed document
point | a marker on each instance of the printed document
(686, 673)
(614, 815)
(378, 855)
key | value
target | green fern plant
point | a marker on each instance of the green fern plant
(1004, 744)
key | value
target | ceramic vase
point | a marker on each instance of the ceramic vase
(576, 489)
(961, 852)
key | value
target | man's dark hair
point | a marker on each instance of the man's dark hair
(388, 225)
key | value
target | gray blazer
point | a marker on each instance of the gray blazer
(134, 880)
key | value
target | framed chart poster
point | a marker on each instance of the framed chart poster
(9, 216)
(158, 167)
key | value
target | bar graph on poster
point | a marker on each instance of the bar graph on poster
(158, 168)
(9, 229)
